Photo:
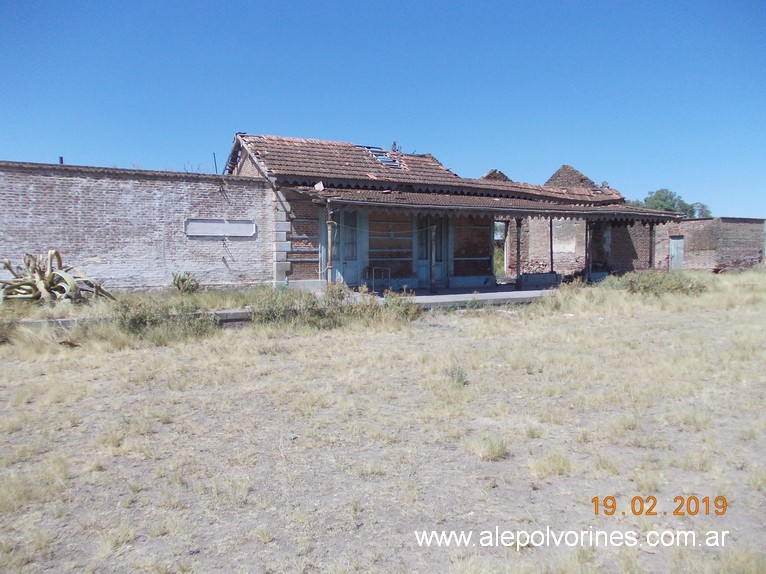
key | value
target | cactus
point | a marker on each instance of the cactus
(186, 282)
(45, 278)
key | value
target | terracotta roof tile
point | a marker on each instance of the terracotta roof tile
(575, 182)
(497, 175)
(511, 206)
(298, 161)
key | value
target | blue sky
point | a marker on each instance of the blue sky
(643, 95)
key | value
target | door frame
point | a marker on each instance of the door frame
(676, 253)
(348, 225)
(435, 243)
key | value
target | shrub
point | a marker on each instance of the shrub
(185, 281)
(336, 302)
(137, 315)
(656, 283)
(338, 306)
(162, 322)
(401, 306)
(283, 305)
(362, 305)
(457, 376)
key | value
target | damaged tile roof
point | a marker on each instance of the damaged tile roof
(293, 159)
(483, 205)
(298, 161)
(496, 175)
(568, 178)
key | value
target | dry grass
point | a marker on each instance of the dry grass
(288, 449)
(554, 463)
(488, 446)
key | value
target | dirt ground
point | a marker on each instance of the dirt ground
(282, 450)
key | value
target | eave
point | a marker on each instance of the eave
(497, 207)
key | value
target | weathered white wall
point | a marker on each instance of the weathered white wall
(133, 222)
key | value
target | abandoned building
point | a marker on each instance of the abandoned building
(303, 212)
(361, 214)
(711, 244)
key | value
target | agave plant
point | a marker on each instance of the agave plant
(45, 278)
(186, 282)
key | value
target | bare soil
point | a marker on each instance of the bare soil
(282, 450)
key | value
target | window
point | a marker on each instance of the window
(349, 236)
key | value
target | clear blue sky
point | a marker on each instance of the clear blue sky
(643, 95)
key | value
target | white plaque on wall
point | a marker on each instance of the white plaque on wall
(220, 228)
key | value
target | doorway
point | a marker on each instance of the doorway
(345, 251)
(676, 253)
(430, 236)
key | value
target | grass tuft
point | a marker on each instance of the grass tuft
(457, 376)
(554, 463)
(487, 446)
(757, 479)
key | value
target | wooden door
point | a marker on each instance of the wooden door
(430, 250)
(676, 252)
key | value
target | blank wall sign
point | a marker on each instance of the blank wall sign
(220, 228)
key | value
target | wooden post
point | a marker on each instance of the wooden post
(651, 245)
(432, 258)
(588, 249)
(550, 225)
(329, 244)
(518, 253)
(506, 262)
(492, 247)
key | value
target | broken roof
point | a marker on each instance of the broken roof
(299, 161)
(294, 159)
(501, 207)
(496, 175)
(567, 177)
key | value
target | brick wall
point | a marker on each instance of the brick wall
(700, 243)
(629, 248)
(297, 241)
(510, 247)
(568, 246)
(715, 244)
(246, 167)
(740, 243)
(133, 222)
(538, 247)
(303, 237)
(616, 248)
(473, 244)
(390, 243)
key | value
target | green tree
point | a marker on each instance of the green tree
(701, 210)
(666, 200)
